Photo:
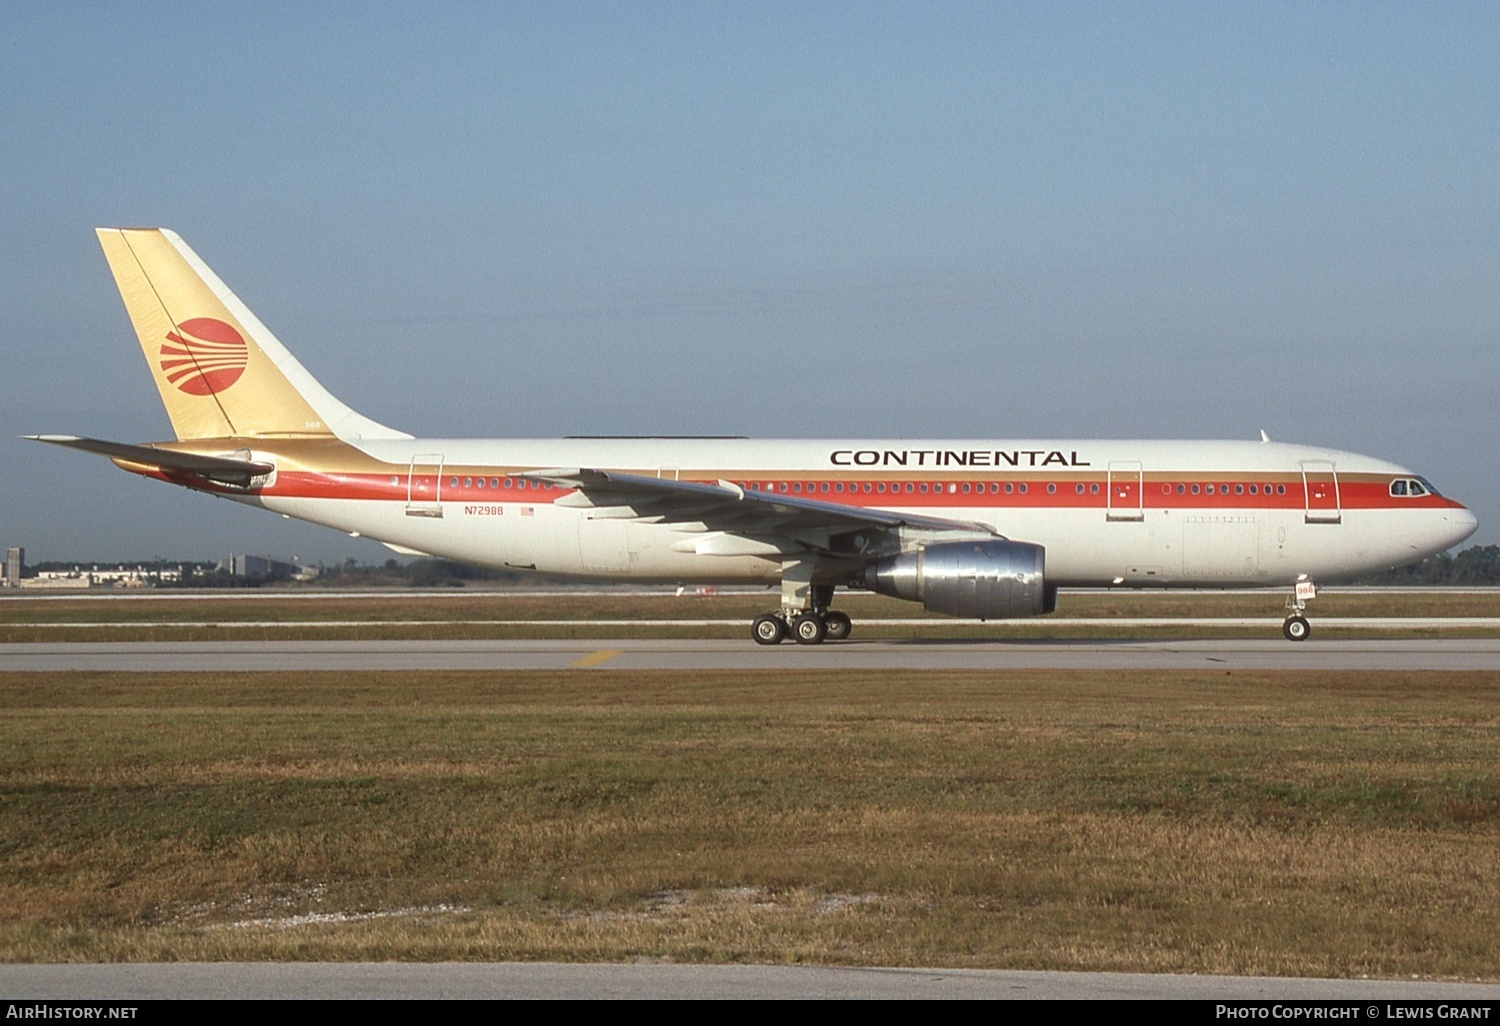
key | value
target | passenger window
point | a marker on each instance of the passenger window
(1078, 488)
(924, 487)
(1051, 489)
(1181, 489)
(1195, 489)
(1208, 489)
(1239, 489)
(1023, 487)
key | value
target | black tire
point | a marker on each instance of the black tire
(839, 625)
(768, 630)
(809, 629)
(1296, 628)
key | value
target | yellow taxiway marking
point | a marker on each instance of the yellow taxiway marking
(598, 658)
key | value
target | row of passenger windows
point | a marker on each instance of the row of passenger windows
(495, 482)
(1405, 486)
(1400, 487)
(1223, 489)
(997, 487)
(880, 487)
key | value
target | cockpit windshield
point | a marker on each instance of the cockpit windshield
(1406, 487)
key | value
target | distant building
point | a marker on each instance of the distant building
(267, 568)
(120, 576)
(15, 562)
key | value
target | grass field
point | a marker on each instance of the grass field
(1296, 824)
(272, 614)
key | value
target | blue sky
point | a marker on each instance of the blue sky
(986, 220)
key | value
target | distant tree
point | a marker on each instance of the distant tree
(1477, 565)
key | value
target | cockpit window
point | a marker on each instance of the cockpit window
(1409, 486)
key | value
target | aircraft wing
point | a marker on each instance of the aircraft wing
(727, 508)
(224, 469)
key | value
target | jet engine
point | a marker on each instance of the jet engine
(986, 580)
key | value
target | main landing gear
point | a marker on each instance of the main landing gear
(1296, 627)
(805, 628)
(804, 615)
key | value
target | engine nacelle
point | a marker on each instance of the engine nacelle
(985, 580)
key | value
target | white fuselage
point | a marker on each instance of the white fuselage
(1147, 513)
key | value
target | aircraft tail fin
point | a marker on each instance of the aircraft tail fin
(220, 371)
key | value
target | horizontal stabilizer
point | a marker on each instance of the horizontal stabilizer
(224, 469)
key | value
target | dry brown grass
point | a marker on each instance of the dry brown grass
(1339, 824)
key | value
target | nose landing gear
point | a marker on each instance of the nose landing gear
(1296, 627)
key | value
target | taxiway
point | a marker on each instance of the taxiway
(703, 654)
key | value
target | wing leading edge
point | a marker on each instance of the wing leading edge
(725, 507)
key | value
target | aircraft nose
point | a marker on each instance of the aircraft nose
(1461, 524)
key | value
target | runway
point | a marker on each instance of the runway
(685, 654)
(542, 981)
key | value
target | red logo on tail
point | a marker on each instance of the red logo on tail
(204, 356)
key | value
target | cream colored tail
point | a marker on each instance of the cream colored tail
(220, 372)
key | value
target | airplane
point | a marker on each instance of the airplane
(978, 529)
